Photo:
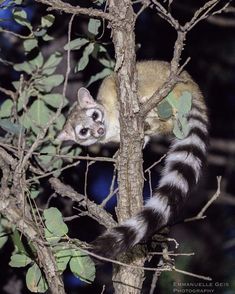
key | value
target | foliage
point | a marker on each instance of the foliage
(31, 109)
(92, 48)
(177, 108)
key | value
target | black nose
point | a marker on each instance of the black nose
(100, 131)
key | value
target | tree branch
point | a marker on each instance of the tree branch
(76, 10)
(11, 209)
(94, 210)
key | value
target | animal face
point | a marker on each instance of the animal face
(86, 123)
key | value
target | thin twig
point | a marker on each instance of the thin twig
(155, 163)
(153, 269)
(112, 192)
(76, 10)
(172, 253)
(89, 158)
(156, 275)
(35, 179)
(68, 56)
(192, 274)
(15, 34)
(8, 92)
(201, 215)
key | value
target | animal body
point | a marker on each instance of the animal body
(97, 121)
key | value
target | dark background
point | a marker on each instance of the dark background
(212, 51)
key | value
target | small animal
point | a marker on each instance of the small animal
(97, 121)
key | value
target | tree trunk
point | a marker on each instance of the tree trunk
(130, 161)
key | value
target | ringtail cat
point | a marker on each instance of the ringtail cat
(97, 121)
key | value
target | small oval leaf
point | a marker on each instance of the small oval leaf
(164, 110)
(62, 258)
(19, 260)
(54, 222)
(185, 102)
(76, 44)
(104, 73)
(54, 100)
(6, 107)
(85, 57)
(30, 44)
(11, 127)
(20, 16)
(47, 20)
(46, 84)
(35, 282)
(93, 26)
(82, 266)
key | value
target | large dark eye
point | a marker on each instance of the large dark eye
(83, 131)
(95, 115)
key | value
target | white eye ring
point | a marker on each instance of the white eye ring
(95, 115)
(97, 112)
(82, 132)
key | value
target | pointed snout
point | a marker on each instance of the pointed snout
(99, 131)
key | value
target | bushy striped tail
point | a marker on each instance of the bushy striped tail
(183, 166)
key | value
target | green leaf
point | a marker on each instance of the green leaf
(3, 239)
(50, 65)
(6, 107)
(19, 260)
(54, 100)
(30, 44)
(57, 166)
(173, 100)
(99, 2)
(23, 99)
(17, 241)
(37, 61)
(59, 123)
(164, 110)
(20, 17)
(62, 258)
(104, 73)
(34, 194)
(16, 84)
(76, 44)
(107, 62)
(35, 282)
(82, 266)
(46, 84)
(47, 20)
(40, 33)
(25, 66)
(93, 26)
(54, 222)
(185, 102)
(181, 127)
(85, 57)
(39, 113)
(101, 48)
(25, 121)
(50, 149)
(50, 237)
(47, 37)
(11, 127)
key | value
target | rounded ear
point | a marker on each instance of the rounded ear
(63, 136)
(67, 134)
(85, 100)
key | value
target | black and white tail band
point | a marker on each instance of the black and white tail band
(182, 170)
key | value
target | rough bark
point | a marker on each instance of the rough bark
(130, 168)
